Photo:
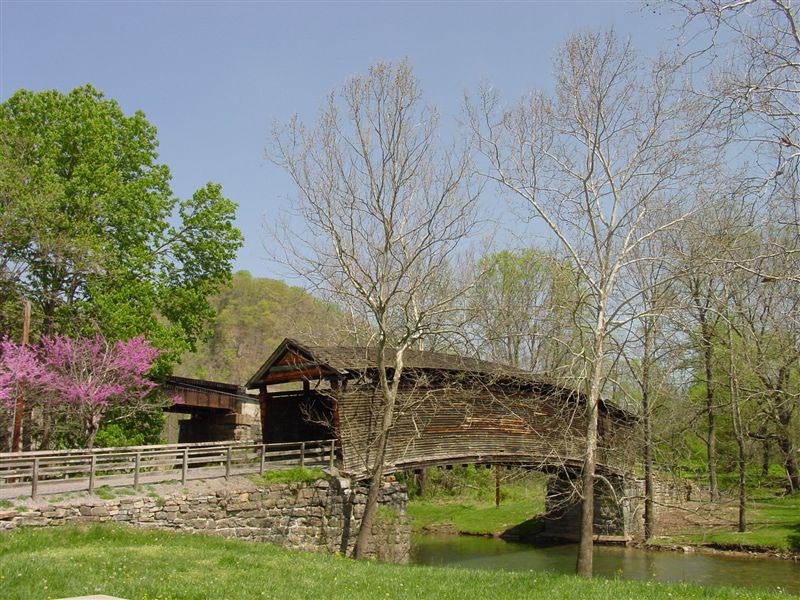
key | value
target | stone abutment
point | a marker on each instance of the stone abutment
(320, 516)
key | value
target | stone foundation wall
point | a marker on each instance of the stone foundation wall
(562, 520)
(322, 516)
(618, 512)
(670, 495)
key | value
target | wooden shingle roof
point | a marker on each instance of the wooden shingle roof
(293, 355)
(294, 361)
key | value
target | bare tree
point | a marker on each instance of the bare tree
(746, 59)
(603, 163)
(767, 316)
(646, 350)
(754, 46)
(384, 208)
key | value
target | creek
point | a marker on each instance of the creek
(609, 561)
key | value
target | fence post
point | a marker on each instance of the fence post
(302, 454)
(228, 463)
(35, 477)
(185, 467)
(92, 466)
(263, 458)
(137, 461)
(333, 454)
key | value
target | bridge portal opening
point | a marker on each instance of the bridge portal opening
(297, 416)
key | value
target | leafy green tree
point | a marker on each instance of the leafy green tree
(526, 310)
(92, 233)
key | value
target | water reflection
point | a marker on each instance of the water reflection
(609, 561)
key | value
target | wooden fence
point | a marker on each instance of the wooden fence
(43, 472)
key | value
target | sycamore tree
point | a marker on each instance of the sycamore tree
(605, 164)
(753, 47)
(383, 210)
(92, 233)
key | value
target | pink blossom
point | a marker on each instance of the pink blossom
(89, 375)
(20, 371)
(93, 371)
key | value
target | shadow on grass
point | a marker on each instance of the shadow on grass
(793, 539)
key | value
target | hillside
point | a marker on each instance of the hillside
(254, 314)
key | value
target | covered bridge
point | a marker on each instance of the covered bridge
(217, 411)
(451, 409)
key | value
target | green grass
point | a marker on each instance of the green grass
(773, 522)
(470, 517)
(6, 504)
(295, 475)
(463, 501)
(157, 565)
(104, 493)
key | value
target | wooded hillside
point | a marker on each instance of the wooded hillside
(254, 314)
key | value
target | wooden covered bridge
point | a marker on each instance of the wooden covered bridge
(453, 410)
(218, 411)
(450, 410)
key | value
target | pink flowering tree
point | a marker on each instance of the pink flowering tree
(20, 368)
(22, 375)
(92, 376)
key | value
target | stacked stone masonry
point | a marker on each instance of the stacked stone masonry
(323, 516)
(618, 505)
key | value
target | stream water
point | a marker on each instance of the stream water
(609, 561)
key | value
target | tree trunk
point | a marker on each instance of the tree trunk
(497, 486)
(706, 344)
(711, 436)
(649, 504)
(376, 479)
(765, 456)
(742, 484)
(786, 444)
(586, 543)
(27, 428)
(789, 462)
(389, 393)
(739, 433)
(48, 427)
(422, 481)
(93, 426)
(5, 428)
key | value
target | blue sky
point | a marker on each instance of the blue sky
(213, 76)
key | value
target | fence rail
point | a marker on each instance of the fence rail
(42, 472)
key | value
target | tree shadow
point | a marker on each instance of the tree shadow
(531, 532)
(793, 539)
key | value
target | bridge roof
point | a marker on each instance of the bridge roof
(292, 358)
(295, 361)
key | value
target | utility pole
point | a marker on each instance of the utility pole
(19, 404)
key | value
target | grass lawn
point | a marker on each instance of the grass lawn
(157, 565)
(773, 522)
(471, 516)
(463, 501)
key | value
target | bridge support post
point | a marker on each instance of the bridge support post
(497, 486)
